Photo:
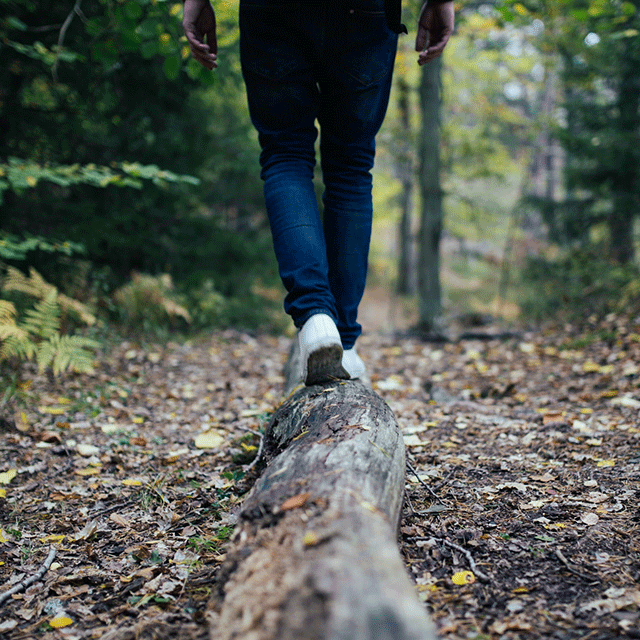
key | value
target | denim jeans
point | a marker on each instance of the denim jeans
(329, 61)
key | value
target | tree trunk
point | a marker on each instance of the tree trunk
(407, 280)
(627, 175)
(314, 555)
(430, 190)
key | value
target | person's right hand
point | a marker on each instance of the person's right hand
(435, 27)
(198, 21)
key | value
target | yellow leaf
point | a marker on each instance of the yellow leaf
(54, 537)
(54, 411)
(138, 420)
(7, 476)
(606, 463)
(62, 400)
(60, 621)
(463, 577)
(130, 482)
(3, 494)
(310, 539)
(209, 440)
(89, 471)
(2, 538)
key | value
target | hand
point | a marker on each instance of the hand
(435, 27)
(198, 21)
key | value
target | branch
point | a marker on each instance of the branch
(23, 584)
(62, 34)
(472, 563)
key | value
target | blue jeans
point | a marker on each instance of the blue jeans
(329, 61)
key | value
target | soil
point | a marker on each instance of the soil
(521, 514)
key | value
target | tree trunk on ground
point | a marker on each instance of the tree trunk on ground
(431, 193)
(314, 556)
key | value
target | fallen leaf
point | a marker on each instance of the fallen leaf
(209, 440)
(118, 519)
(589, 519)
(294, 502)
(310, 539)
(87, 450)
(60, 621)
(7, 476)
(130, 482)
(463, 577)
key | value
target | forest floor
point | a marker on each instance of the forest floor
(521, 517)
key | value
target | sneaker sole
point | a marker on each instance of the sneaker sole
(325, 365)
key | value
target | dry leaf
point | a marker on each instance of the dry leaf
(7, 476)
(295, 502)
(209, 440)
(589, 519)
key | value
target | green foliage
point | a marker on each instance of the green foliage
(578, 284)
(20, 174)
(36, 332)
(147, 303)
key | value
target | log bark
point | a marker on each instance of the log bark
(314, 556)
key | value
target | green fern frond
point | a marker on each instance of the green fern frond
(17, 345)
(33, 285)
(7, 312)
(66, 352)
(43, 321)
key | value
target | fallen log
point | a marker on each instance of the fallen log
(314, 555)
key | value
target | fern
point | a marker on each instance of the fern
(37, 333)
(66, 352)
(36, 286)
(43, 321)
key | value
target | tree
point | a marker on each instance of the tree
(429, 289)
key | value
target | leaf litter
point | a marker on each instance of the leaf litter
(524, 453)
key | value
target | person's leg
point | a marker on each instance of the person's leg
(354, 97)
(277, 44)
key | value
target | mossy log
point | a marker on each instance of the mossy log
(315, 556)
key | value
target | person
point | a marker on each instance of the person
(330, 62)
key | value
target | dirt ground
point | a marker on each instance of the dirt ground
(521, 515)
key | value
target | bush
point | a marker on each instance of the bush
(578, 284)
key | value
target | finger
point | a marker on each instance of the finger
(206, 59)
(421, 38)
(212, 40)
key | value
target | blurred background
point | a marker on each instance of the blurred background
(506, 184)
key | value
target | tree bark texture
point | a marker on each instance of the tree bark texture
(314, 556)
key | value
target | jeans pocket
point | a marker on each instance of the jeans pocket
(368, 46)
(265, 47)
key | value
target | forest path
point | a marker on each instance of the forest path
(522, 521)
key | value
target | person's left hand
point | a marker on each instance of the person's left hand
(198, 22)
(435, 27)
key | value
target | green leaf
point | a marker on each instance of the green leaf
(133, 10)
(172, 66)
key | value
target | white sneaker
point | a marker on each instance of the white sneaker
(353, 364)
(321, 350)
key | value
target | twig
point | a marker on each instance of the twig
(61, 36)
(565, 562)
(23, 584)
(421, 481)
(472, 563)
(255, 461)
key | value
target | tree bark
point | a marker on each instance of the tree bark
(314, 556)
(429, 289)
